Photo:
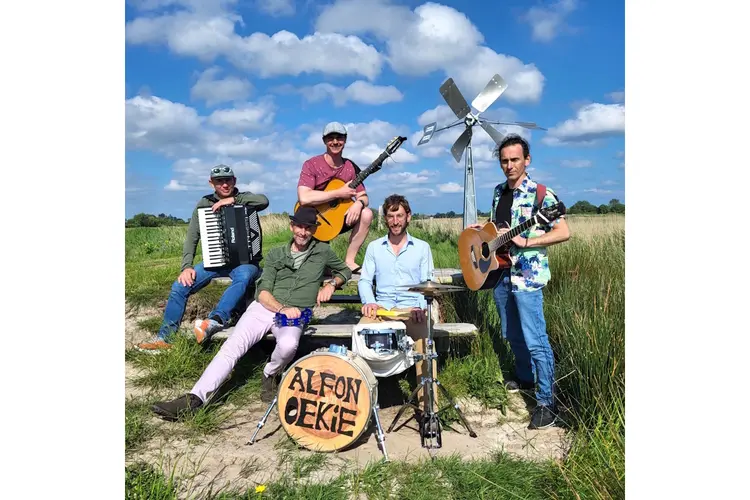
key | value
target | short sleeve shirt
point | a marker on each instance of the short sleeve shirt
(530, 266)
(316, 173)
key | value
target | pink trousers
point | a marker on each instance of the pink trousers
(252, 326)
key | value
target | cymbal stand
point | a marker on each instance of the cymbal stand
(429, 424)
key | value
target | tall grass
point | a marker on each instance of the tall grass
(585, 313)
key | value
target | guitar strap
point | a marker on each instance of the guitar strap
(541, 192)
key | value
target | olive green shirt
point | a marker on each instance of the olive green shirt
(257, 201)
(299, 288)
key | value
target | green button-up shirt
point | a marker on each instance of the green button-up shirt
(299, 288)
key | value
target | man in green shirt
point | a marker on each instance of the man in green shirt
(290, 283)
(193, 278)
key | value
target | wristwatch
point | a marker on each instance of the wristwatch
(332, 281)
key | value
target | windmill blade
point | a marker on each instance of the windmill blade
(453, 97)
(429, 130)
(460, 145)
(529, 125)
(494, 88)
(496, 136)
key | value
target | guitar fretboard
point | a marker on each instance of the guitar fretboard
(506, 237)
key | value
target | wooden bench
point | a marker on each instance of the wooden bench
(439, 330)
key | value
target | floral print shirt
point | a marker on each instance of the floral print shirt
(530, 267)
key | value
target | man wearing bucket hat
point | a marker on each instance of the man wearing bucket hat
(319, 170)
(193, 278)
(290, 283)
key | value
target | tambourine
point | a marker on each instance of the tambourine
(282, 320)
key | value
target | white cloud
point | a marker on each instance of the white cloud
(577, 163)
(358, 91)
(548, 22)
(249, 116)
(430, 38)
(254, 187)
(208, 33)
(616, 96)
(213, 91)
(175, 186)
(598, 191)
(160, 124)
(451, 187)
(277, 8)
(593, 122)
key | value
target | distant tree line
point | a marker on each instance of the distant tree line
(148, 220)
(584, 207)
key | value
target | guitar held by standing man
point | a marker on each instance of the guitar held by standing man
(319, 170)
(518, 292)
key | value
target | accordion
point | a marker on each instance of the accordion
(231, 236)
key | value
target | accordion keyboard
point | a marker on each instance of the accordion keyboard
(212, 237)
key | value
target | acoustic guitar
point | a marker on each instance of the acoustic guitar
(484, 254)
(332, 214)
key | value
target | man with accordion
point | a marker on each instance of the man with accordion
(208, 223)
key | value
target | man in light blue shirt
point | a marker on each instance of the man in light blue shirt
(396, 260)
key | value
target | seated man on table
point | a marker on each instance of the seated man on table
(290, 283)
(395, 260)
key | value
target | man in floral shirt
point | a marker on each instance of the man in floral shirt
(518, 293)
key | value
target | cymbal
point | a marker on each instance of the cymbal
(430, 287)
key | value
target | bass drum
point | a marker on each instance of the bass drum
(326, 399)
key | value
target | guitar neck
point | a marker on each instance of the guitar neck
(506, 237)
(374, 166)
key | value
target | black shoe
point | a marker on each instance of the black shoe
(171, 410)
(515, 386)
(542, 418)
(267, 389)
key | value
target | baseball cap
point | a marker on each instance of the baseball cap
(334, 128)
(221, 171)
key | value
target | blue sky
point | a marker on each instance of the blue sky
(251, 83)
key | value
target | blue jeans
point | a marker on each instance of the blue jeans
(241, 277)
(523, 326)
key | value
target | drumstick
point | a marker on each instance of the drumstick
(392, 314)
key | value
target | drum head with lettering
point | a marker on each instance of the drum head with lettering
(324, 402)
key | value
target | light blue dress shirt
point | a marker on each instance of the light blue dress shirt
(412, 265)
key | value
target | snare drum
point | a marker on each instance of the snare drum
(384, 338)
(326, 399)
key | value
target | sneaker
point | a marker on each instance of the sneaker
(156, 345)
(171, 410)
(204, 329)
(542, 418)
(514, 386)
(267, 389)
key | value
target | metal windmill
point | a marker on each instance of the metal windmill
(457, 103)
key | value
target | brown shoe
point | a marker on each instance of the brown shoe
(171, 410)
(154, 346)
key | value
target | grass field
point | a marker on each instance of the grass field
(585, 312)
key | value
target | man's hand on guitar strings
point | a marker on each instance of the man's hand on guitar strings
(519, 240)
(346, 192)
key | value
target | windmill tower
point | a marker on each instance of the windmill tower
(494, 88)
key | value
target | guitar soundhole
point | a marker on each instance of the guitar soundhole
(485, 251)
(334, 204)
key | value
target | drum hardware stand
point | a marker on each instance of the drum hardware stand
(379, 434)
(429, 424)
